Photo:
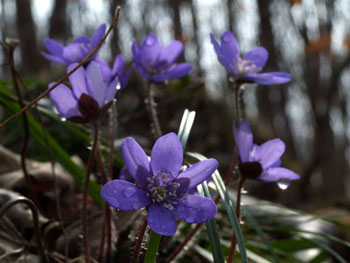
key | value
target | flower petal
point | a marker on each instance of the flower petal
(64, 101)
(244, 140)
(217, 48)
(278, 173)
(161, 220)
(95, 83)
(175, 72)
(98, 35)
(77, 80)
(82, 40)
(167, 155)
(105, 70)
(195, 209)
(74, 53)
(139, 68)
(111, 90)
(270, 78)
(53, 58)
(229, 46)
(169, 54)
(118, 66)
(135, 51)
(124, 79)
(259, 56)
(136, 161)
(269, 153)
(149, 50)
(124, 195)
(54, 47)
(196, 174)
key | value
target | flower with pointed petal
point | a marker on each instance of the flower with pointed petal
(75, 52)
(260, 162)
(160, 186)
(155, 63)
(109, 74)
(88, 96)
(246, 69)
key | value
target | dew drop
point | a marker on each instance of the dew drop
(136, 205)
(63, 119)
(283, 183)
(150, 220)
(128, 192)
(163, 226)
(190, 219)
(118, 87)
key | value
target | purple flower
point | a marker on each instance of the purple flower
(260, 162)
(156, 63)
(160, 187)
(75, 52)
(117, 71)
(246, 69)
(88, 95)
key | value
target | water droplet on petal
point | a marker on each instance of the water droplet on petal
(163, 226)
(115, 203)
(63, 119)
(118, 87)
(150, 220)
(136, 205)
(128, 192)
(283, 183)
(190, 219)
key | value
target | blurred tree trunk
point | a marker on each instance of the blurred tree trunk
(115, 49)
(175, 7)
(31, 59)
(59, 21)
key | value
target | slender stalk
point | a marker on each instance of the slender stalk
(238, 87)
(141, 233)
(85, 194)
(152, 249)
(151, 105)
(238, 210)
(112, 129)
(29, 184)
(25, 108)
(106, 229)
(36, 222)
(184, 243)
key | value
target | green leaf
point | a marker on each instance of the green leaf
(229, 205)
(213, 235)
(38, 133)
(152, 249)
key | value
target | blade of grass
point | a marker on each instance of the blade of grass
(185, 127)
(229, 205)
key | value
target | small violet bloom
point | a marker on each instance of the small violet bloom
(260, 162)
(160, 186)
(156, 63)
(75, 52)
(246, 69)
(88, 96)
(109, 74)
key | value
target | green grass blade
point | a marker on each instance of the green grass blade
(185, 127)
(229, 205)
(213, 235)
(38, 133)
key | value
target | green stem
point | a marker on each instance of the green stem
(153, 244)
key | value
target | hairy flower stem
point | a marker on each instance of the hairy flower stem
(25, 108)
(238, 88)
(112, 134)
(85, 193)
(36, 222)
(151, 105)
(106, 229)
(141, 233)
(238, 212)
(29, 184)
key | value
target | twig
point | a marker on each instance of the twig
(114, 22)
(36, 223)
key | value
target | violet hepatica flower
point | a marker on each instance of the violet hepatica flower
(88, 96)
(260, 162)
(160, 186)
(109, 74)
(246, 69)
(156, 63)
(75, 52)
